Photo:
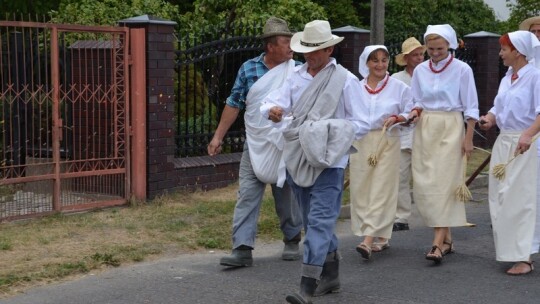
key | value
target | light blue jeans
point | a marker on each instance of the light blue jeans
(248, 205)
(320, 205)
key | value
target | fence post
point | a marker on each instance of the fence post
(347, 53)
(487, 73)
(159, 103)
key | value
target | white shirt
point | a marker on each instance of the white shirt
(517, 104)
(406, 137)
(394, 99)
(347, 108)
(452, 90)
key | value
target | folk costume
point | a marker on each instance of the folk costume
(514, 200)
(374, 189)
(446, 93)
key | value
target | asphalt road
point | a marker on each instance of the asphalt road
(397, 275)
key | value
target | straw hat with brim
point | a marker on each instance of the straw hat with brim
(409, 45)
(317, 35)
(527, 23)
(275, 27)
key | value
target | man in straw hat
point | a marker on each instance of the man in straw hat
(315, 109)
(262, 153)
(532, 25)
(412, 54)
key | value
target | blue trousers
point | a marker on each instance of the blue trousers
(250, 195)
(320, 205)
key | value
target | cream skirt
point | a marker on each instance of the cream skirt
(512, 200)
(437, 168)
(373, 190)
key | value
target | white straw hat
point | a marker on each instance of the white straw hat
(317, 35)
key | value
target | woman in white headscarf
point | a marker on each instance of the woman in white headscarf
(383, 101)
(514, 200)
(444, 96)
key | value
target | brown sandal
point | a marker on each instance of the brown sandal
(433, 256)
(450, 249)
(530, 264)
(364, 250)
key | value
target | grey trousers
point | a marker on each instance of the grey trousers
(246, 211)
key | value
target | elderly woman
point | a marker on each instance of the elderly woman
(444, 96)
(514, 200)
(384, 101)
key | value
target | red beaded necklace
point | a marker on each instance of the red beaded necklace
(377, 91)
(443, 68)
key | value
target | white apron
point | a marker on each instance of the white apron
(265, 143)
(512, 201)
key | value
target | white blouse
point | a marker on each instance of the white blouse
(452, 90)
(517, 104)
(394, 99)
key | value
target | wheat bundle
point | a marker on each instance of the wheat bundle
(499, 170)
(373, 158)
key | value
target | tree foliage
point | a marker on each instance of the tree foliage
(405, 18)
(211, 13)
(519, 11)
(29, 6)
(109, 12)
(340, 12)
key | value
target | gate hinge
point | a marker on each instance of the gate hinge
(130, 60)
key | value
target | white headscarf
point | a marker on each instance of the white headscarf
(362, 65)
(444, 30)
(527, 45)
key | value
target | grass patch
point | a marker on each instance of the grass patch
(55, 247)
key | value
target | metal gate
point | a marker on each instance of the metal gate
(64, 112)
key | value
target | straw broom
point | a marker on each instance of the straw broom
(462, 192)
(499, 170)
(372, 158)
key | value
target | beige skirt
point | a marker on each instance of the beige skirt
(512, 200)
(437, 167)
(373, 190)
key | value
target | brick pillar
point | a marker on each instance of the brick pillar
(348, 51)
(160, 54)
(486, 73)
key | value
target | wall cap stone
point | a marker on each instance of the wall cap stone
(146, 19)
(482, 34)
(350, 29)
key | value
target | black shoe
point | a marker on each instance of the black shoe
(238, 258)
(400, 226)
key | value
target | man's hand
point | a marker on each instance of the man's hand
(275, 114)
(214, 147)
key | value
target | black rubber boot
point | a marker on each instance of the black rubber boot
(307, 288)
(291, 250)
(329, 282)
(240, 257)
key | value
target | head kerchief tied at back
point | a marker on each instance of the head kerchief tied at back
(362, 64)
(528, 45)
(444, 30)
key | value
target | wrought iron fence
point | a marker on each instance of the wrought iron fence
(205, 75)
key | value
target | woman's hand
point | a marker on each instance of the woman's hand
(524, 143)
(486, 122)
(467, 147)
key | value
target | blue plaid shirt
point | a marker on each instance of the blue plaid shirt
(249, 72)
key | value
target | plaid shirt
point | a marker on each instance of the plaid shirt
(249, 72)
